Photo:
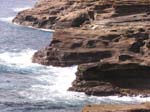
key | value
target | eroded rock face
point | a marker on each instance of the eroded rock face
(54, 14)
(112, 78)
(112, 33)
(76, 13)
(145, 107)
(94, 30)
(72, 48)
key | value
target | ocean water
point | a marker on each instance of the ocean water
(29, 87)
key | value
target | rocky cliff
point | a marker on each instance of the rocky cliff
(110, 38)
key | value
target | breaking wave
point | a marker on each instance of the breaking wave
(6, 19)
(54, 82)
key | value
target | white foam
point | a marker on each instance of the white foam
(55, 90)
(6, 19)
(57, 94)
(21, 62)
(17, 58)
(21, 9)
(41, 29)
(57, 82)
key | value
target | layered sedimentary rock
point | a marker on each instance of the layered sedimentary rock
(145, 107)
(72, 48)
(112, 78)
(94, 29)
(111, 38)
(77, 13)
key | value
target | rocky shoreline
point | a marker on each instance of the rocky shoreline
(145, 107)
(109, 40)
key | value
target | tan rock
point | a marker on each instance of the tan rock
(145, 107)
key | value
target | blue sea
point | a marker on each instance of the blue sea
(29, 87)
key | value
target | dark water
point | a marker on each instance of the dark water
(28, 87)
